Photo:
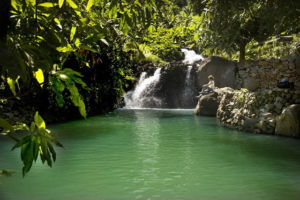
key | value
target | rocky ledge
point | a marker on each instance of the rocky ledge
(270, 111)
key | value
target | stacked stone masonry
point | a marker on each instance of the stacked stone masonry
(259, 112)
(265, 73)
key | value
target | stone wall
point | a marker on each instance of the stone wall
(264, 111)
(259, 74)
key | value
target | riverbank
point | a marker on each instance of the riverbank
(256, 104)
(275, 111)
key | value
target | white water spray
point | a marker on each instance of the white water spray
(142, 95)
(190, 56)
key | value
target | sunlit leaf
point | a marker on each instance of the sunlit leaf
(104, 41)
(72, 4)
(60, 3)
(39, 121)
(11, 84)
(65, 49)
(73, 31)
(14, 4)
(39, 75)
(56, 21)
(33, 2)
(47, 4)
(77, 42)
(89, 5)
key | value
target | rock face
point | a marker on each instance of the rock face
(207, 105)
(288, 123)
(173, 85)
(223, 70)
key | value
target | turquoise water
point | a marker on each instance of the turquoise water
(157, 154)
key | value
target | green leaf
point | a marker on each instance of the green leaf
(130, 78)
(60, 3)
(77, 42)
(27, 156)
(33, 2)
(89, 5)
(47, 4)
(39, 121)
(38, 142)
(56, 21)
(52, 151)
(82, 109)
(72, 4)
(20, 127)
(58, 87)
(76, 99)
(64, 49)
(39, 75)
(104, 41)
(24, 140)
(11, 84)
(14, 4)
(32, 127)
(73, 31)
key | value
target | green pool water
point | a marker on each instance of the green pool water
(157, 154)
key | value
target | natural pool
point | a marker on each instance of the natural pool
(157, 154)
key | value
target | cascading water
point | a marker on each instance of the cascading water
(190, 58)
(142, 95)
(188, 87)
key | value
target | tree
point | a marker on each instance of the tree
(230, 25)
(38, 39)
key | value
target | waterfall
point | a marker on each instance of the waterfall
(142, 95)
(174, 88)
(188, 74)
(190, 58)
(188, 87)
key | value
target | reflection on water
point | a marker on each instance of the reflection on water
(157, 154)
(147, 144)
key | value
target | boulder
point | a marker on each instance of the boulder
(288, 123)
(207, 105)
(223, 70)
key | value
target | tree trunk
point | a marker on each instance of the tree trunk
(4, 18)
(242, 52)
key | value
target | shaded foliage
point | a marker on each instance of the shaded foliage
(230, 25)
(39, 40)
